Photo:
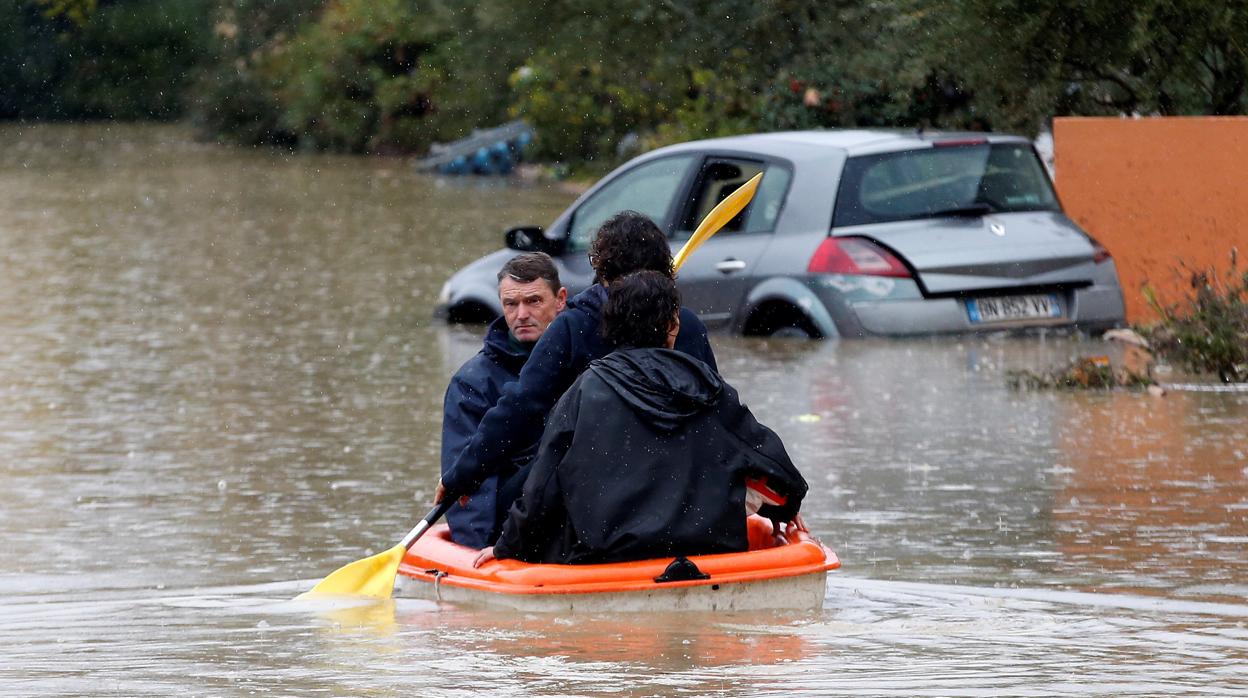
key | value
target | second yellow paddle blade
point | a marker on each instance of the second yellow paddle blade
(372, 577)
(719, 216)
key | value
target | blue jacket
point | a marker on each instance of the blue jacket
(474, 389)
(514, 425)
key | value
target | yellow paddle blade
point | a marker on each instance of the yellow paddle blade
(719, 216)
(372, 577)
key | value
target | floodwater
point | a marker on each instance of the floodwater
(219, 381)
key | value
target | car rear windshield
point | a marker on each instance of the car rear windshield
(942, 181)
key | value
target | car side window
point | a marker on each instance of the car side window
(719, 177)
(649, 189)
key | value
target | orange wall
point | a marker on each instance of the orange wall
(1158, 193)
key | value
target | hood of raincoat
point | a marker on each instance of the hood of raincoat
(664, 387)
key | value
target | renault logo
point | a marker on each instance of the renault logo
(997, 229)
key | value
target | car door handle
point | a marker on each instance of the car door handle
(728, 266)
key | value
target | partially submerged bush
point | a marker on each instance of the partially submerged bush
(1083, 373)
(1207, 333)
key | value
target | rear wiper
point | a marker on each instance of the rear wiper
(977, 208)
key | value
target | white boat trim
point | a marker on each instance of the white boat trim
(801, 592)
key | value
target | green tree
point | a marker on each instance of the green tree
(362, 77)
(1027, 63)
(865, 64)
(235, 96)
(31, 60)
(76, 11)
(674, 71)
(125, 59)
(135, 59)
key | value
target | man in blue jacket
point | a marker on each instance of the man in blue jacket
(531, 295)
(626, 242)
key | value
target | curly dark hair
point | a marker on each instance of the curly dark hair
(639, 309)
(628, 242)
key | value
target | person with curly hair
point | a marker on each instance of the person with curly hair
(649, 454)
(625, 243)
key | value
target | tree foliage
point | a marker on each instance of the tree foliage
(76, 11)
(1027, 63)
(74, 59)
(362, 76)
(597, 78)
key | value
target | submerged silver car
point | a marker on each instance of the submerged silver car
(851, 233)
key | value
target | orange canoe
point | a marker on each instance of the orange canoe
(768, 576)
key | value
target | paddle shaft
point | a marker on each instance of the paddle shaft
(434, 514)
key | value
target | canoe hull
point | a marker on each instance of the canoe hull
(785, 593)
(792, 575)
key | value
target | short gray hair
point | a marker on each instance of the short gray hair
(529, 267)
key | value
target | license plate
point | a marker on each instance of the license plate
(1007, 308)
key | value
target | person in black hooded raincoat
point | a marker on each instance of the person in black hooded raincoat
(647, 454)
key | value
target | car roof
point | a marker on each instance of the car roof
(849, 142)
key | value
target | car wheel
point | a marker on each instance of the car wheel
(777, 318)
(790, 332)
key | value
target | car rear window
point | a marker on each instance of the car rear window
(935, 181)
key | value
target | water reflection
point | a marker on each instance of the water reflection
(874, 637)
(1152, 493)
(219, 373)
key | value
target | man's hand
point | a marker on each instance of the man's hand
(780, 536)
(484, 556)
(440, 493)
(777, 536)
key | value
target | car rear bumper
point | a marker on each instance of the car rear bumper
(892, 307)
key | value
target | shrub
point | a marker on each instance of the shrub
(582, 110)
(361, 77)
(1207, 332)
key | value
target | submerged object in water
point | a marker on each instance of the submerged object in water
(492, 151)
(768, 576)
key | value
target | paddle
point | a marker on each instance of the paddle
(373, 577)
(719, 216)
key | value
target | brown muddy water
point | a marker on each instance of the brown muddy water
(219, 380)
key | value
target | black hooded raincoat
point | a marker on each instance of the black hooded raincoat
(646, 456)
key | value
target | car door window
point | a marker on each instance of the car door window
(719, 177)
(649, 189)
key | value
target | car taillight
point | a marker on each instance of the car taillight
(1099, 253)
(855, 256)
